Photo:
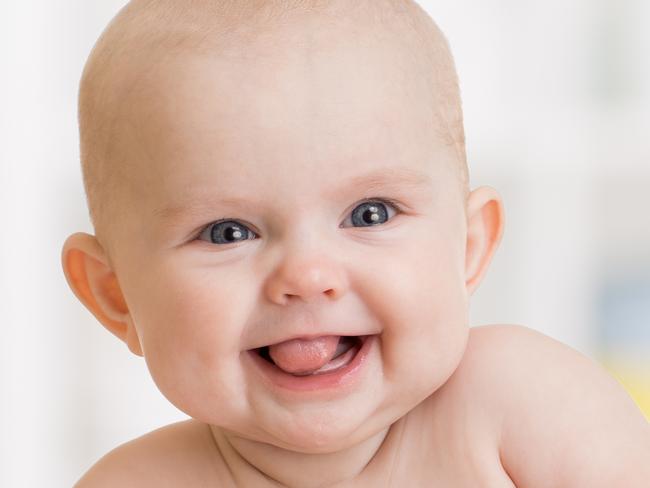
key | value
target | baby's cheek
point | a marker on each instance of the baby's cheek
(433, 330)
(191, 335)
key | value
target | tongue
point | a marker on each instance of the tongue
(304, 356)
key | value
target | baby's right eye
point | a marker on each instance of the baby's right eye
(226, 232)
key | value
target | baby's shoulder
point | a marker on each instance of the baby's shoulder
(179, 454)
(548, 402)
(513, 369)
(488, 388)
(499, 360)
(509, 356)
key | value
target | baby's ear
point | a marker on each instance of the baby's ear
(485, 222)
(95, 284)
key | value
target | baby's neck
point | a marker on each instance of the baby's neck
(254, 463)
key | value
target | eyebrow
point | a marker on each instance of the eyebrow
(377, 180)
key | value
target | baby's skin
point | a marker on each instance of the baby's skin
(292, 250)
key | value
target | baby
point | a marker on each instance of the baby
(284, 231)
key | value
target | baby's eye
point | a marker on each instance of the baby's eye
(367, 214)
(225, 232)
(372, 212)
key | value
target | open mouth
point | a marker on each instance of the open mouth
(346, 349)
(333, 365)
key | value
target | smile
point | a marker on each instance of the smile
(341, 370)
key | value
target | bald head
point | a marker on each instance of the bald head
(147, 34)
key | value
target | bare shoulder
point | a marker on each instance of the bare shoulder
(179, 454)
(564, 421)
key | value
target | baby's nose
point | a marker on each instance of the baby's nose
(309, 278)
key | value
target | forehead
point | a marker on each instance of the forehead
(217, 123)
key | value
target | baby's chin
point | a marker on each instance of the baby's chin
(314, 430)
(321, 437)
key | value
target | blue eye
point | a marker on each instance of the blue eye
(371, 213)
(226, 232)
(368, 214)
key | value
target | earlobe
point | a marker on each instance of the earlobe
(94, 283)
(485, 223)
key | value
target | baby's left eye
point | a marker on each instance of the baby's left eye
(372, 212)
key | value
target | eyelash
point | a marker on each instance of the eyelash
(396, 206)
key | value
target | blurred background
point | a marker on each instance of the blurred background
(557, 115)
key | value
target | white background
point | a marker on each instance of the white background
(556, 97)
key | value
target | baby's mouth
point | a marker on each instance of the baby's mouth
(312, 357)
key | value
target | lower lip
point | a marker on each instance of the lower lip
(340, 378)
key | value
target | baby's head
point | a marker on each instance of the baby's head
(263, 171)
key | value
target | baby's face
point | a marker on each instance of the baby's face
(290, 156)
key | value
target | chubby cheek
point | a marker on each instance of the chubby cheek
(189, 320)
(425, 314)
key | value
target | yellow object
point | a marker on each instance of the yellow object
(634, 376)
